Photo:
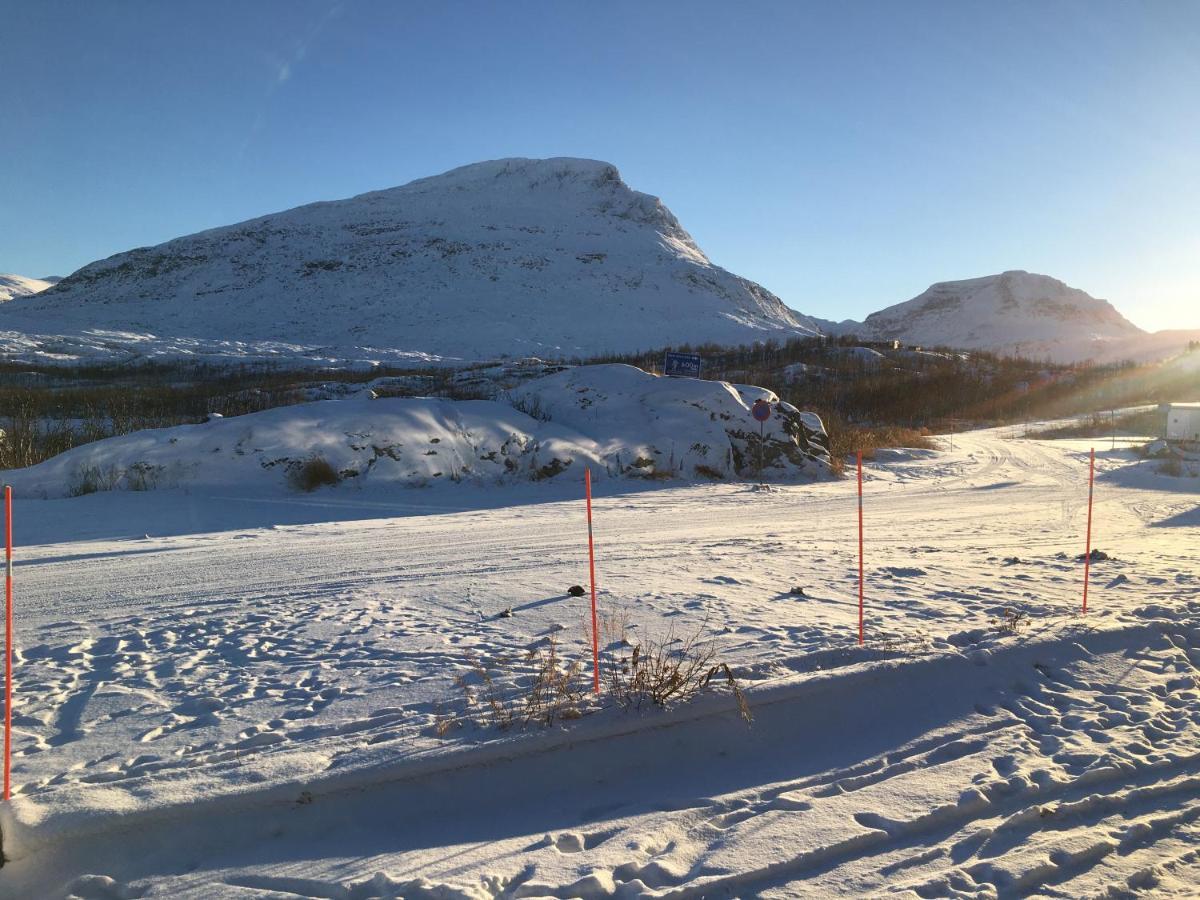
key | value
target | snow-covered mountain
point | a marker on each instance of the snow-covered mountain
(19, 286)
(515, 257)
(1019, 314)
(1015, 312)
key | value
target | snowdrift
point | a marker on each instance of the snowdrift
(618, 420)
(677, 426)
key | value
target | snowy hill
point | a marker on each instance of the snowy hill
(618, 420)
(515, 257)
(1016, 312)
(19, 286)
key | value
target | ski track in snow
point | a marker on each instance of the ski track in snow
(1063, 762)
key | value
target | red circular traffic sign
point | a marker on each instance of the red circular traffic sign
(761, 410)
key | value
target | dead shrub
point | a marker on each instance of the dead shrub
(1172, 466)
(313, 473)
(538, 690)
(847, 440)
(530, 404)
(91, 479)
(541, 688)
(1011, 621)
(143, 476)
(556, 690)
(670, 671)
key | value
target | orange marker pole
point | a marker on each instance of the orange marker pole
(860, 551)
(8, 640)
(1087, 556)
(587, 485)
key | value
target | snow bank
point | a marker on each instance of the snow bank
(619, 420)
(645, 425)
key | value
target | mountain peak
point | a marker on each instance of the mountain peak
(519, 257)
(1012, 312)
(557, 168)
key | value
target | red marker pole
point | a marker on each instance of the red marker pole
(8, 640)
(587, 484)
(1087, 556)
(860, 551)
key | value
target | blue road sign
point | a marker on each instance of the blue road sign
(686, 365)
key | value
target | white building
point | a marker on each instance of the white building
(1183, 421)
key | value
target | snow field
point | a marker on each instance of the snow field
(203, 701)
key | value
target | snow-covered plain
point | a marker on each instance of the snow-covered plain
(223, 694)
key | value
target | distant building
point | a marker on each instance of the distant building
(1182, 421)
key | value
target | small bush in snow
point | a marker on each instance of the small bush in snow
(847, 440)
(142, 476)
(540, 690)
(530, 405)
(556, 466)
(312, 474)
(670, 671)
(1171, 466)
(542, 687)
(1011, 621)
(92, 479)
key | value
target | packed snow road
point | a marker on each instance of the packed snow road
(240, 696)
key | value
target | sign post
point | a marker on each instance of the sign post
(761, 410)
(860, 550)
(8, 639)
(587, 486)
(1087, 556)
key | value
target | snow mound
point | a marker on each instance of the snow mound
(677, 426)
(618, 420)
(514, 257)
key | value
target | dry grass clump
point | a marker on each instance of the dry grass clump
(1011, 621)
(92, 479)
(847, 440)
(541, 687)
(313, 473)
(1172, 466)
(669, 671)
(498, 694)
(1104, 424)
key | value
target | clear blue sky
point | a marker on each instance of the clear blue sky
(846, 155)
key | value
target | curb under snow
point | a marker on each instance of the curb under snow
(29, 823)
